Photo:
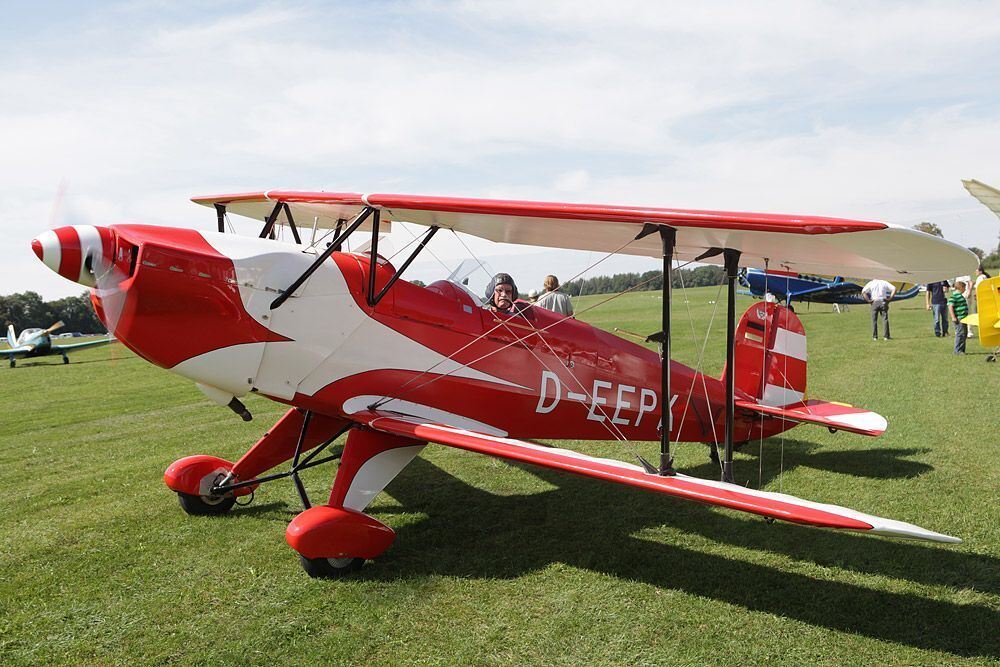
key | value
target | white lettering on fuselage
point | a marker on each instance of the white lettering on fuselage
(550, 394)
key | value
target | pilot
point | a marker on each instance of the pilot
(500, 293)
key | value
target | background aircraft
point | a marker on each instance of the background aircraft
(38, 343)
(789, 286)
(988, 317)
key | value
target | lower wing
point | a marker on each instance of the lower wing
(81, 346)
(765, 503)
(17, 352)
(839, 416)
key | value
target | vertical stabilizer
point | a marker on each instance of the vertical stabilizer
(11, 337)
(771, 355)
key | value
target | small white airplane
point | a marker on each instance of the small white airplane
(38, 343)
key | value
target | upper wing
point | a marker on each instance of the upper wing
(806, 244)
(775, 505)
(80, 346)
(987, 196)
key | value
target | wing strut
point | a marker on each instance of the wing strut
(322, 257)
(668, 237)
(220, 216)
(732, 265)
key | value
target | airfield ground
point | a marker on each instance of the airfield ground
(501, 564)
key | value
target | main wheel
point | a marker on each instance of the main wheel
(330, 568)
(65, 359)
(205, 505)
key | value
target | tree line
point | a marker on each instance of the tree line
(27, 309)
(702, 276)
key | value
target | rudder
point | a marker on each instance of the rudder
(770, 355)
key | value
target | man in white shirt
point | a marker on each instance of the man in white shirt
(879, 293)
(554, 300)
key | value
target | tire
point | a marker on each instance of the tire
(330, 568)
(205, 505)
(65, 359)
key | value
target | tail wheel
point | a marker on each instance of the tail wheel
(205, 505)
(330, 568)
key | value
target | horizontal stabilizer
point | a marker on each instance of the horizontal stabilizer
(838, 416)
(732, 496)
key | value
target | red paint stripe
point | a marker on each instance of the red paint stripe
(788, 372)
(789, 224)
(71, 259)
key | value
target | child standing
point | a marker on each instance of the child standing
(958, 307)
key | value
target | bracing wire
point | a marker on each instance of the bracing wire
(407, 389)
(483, 335)
(763, 383)
(701, 356)
(607, 420)
(441, 376)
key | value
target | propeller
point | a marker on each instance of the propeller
(58, 325)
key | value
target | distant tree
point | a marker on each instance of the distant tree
(77, 313)
(419, 283)
(27, 309)
(979, 252)
(928, 228)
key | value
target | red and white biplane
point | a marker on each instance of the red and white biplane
(353, 348)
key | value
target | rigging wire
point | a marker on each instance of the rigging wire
(451, 357)
(763, 384)
(593, 402)
(701, 356)
(434, 379)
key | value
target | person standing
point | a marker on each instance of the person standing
(879, 293)
(936, 298)
(554, 300)
(958, 307)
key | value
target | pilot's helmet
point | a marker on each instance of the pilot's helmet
(500, 279)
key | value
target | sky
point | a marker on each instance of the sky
(849, 109)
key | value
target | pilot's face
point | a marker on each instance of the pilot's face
(503, 297)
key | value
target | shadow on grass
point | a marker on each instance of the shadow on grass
(57, 361)
(874, 463)
(590, 525)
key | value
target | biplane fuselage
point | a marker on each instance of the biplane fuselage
(198, 303)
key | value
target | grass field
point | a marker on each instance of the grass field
(501, 564)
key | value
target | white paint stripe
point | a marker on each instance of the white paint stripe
(90, 244)
(420, 411)
(376, 473)
(51, 249)
(790, 344)
(778, 397)
(871, 421)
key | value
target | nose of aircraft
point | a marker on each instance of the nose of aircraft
(78, 252)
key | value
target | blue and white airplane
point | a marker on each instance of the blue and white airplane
(788, 287)
(38, 343)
